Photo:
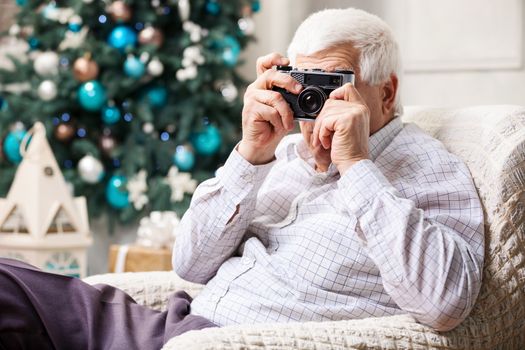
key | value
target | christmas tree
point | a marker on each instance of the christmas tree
(139, 98)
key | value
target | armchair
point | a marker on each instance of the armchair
(491, 140)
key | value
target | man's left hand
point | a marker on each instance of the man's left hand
(344, 126)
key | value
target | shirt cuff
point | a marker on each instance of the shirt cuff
(361, 184)
(240, 177)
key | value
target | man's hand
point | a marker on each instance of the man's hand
(266, 116)
(344, 126)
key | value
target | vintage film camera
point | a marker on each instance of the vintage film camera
(317, 84)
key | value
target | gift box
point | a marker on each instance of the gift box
(134, 258)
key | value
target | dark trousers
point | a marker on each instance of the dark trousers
(40, 310)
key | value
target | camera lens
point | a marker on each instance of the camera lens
(311, 100)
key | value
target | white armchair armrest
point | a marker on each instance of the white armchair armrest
(147, 288)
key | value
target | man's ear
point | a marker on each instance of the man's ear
(389, 91)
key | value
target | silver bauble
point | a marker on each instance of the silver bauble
(47, 90)
(90, 169)
(228, 91)
(155, 67)
(46, 64)
(246, 25)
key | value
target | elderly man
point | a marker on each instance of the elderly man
(357, 216)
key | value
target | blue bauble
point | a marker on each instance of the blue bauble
(12, 145)
(134, 67)
(3, 104)
(213, 7)
(21, 2)
(122, 37)
(110, 115)
(92, 95)
(256, 6)
(231, 50)
(184, 158)
(33, 42)
(157, 96)
(207, 142)
(117, 192)
(74, 27)
(49, 10)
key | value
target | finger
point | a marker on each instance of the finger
(277, 101)
(271, 78)
(266, 62)
(326, 131)
(317, 127)
(272, 116)
(347, 92)
(327, 111)
(264, 114)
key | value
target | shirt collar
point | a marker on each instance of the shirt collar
(382, 138)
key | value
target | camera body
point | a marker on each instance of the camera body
(317, 86)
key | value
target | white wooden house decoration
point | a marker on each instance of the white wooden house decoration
(40, 221)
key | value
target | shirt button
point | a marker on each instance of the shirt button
(245, 260)
(247, 176)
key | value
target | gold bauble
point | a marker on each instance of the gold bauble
(64, 132)
(85, 69)
(151, 36)
(120, 11)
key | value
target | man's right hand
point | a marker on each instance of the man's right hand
(266, 116)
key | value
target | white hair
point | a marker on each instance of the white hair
(379, 52)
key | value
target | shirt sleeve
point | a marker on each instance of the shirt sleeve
(427, 243)
(212, 228)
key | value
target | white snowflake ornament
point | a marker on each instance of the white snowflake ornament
(73, 40)
(137, 187)
(180, 183)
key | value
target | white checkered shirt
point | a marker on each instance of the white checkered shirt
(399, 233)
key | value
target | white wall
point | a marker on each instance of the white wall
(455, 53)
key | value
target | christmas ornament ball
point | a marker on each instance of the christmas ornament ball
(65, 132)
(151, 36)
(33, 42)
(184, 158)
(90, 169)
(92, 95)
(75, 24)
(208, 141)
(120, 11)
(46, 63)
(231, 50)
(228, 91)
(107, 143)
(213, 7)
(116, 192)
(134, 67)
(110, 114)
(157, 96)
(155, 67)
(122, 37)
(256, 6)
(47, 90)
(246, 25)
(11, 145)
(85, 69)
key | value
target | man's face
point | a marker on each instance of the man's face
(342, 57)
